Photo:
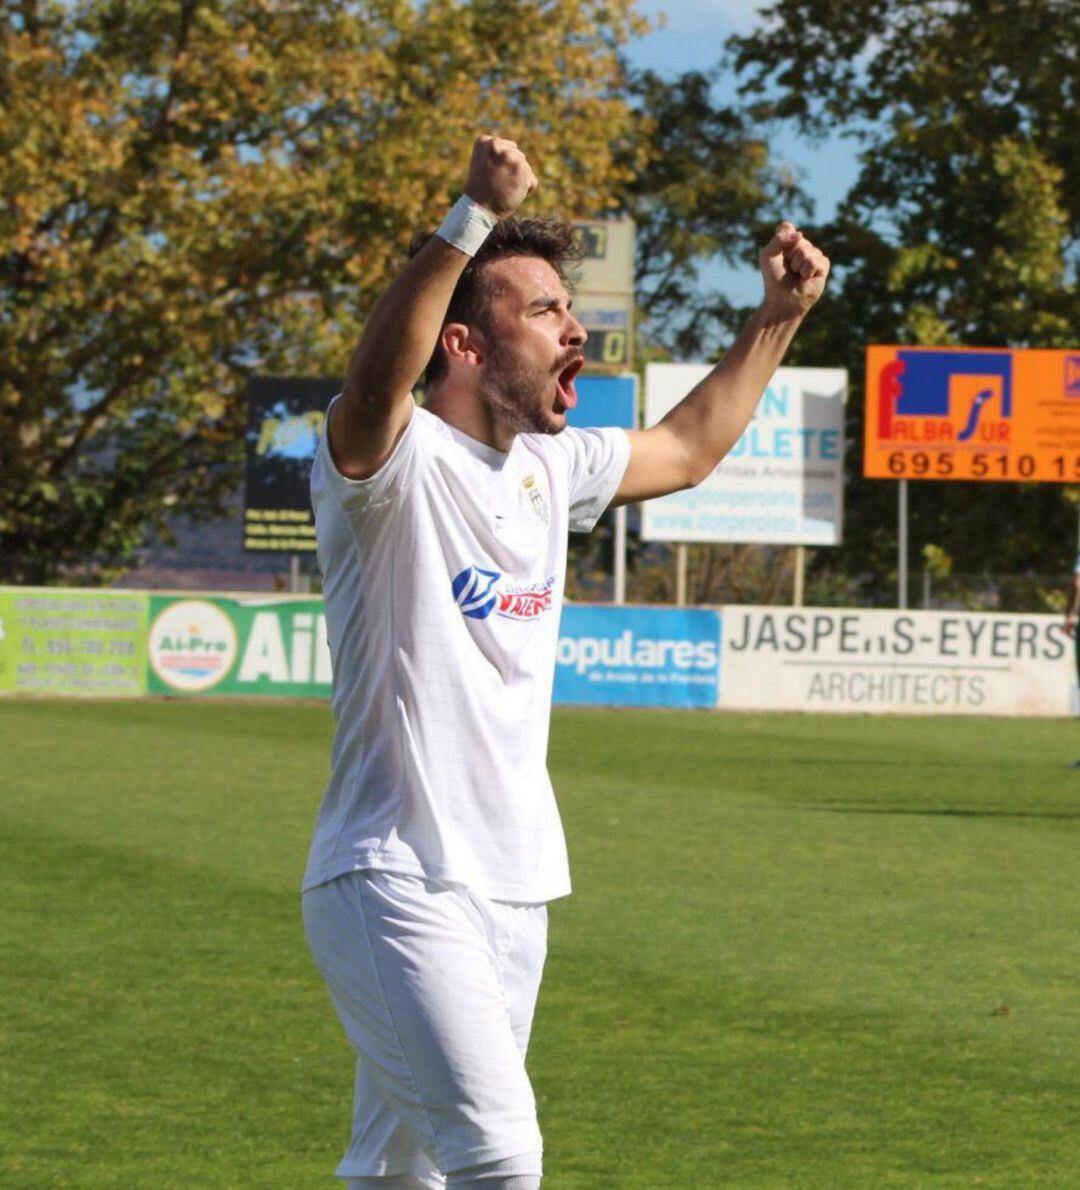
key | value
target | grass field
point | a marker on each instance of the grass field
(802, 952)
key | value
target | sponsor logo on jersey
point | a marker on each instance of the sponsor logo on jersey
(476, 592)
(526, 603)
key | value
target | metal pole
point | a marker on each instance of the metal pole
(680, 574)
(620, 554)
(294, 574)
(903, 545)
(800, 576)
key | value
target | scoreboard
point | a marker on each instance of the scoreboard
(604, 296)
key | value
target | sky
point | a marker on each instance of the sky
(693, 39)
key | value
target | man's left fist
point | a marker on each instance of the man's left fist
(794, 271)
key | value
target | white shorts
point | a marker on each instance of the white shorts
(436, 989)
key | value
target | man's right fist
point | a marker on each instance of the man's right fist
(500, 177)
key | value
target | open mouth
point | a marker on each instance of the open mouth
(566, 393)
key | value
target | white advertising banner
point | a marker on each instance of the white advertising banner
(899, 662)
(783, 481)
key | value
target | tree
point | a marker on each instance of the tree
(963, 227)
(198, 190)
(702, 190)
(700, 194)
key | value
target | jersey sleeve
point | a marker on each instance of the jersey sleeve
(357, 496)
(597, 462)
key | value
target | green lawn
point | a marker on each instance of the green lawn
(802, 952)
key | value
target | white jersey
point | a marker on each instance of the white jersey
(443, 576)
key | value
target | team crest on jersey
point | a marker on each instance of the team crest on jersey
(536, 498)
(478, 593)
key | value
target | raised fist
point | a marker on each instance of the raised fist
(500, 177)
(794, 271)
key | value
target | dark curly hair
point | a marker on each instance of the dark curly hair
(550, 239)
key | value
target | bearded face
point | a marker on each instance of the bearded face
(532, 348)
(521, 394)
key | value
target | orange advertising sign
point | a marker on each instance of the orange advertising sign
(972, 413)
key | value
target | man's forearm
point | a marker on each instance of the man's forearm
(713, 415)
(683, 448)
(401, 333)
(403, 329)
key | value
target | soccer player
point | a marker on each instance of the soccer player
(1071, 616)
(442, 538)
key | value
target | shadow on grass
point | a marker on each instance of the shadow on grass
(887, 762)
(905, 763)
(932, 811)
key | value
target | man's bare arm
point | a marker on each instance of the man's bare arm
(682, 449)
(403, 328)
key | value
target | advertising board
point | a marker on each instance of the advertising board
(605, 401)
(285, 419)
(783, 481)
(64, 641)
(922, 663)
(970, 413)
(638, 656)
(271, 646)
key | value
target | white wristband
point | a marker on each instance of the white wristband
(467, 225)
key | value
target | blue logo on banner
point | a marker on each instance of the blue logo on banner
(473, 591)
(639, 656)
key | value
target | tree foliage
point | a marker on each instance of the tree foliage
(962, 228)
(201, 189)
(699, 196)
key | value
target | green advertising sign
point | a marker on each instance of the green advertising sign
(57, 641)
(268, 645)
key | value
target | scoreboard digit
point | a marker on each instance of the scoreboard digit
(608, 347)
(593, 240)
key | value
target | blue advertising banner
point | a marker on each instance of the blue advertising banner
(638, 656)
(605, 401)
